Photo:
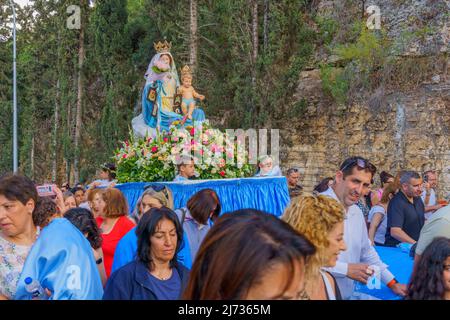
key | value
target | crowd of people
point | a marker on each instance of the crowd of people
(323, 244)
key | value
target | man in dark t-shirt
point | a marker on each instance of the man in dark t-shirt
(406, 211)
(293, 177)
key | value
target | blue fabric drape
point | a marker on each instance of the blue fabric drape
(62, 261)
(268, 194)
(401, 266)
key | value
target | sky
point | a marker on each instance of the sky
(21, 2)
(25, 2)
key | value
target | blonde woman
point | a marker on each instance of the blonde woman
(321, 220)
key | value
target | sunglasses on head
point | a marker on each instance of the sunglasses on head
(361, 163)
(156, 187)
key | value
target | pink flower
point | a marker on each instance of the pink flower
(192, 131)
(162, 66)
(222, 173)
(149, 140)
(154, 149)
(126, 143)
(124, 156)
(175, 139)
(165, 139)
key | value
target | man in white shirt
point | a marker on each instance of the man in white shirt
(352, 181)
(429, 193)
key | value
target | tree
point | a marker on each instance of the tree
(193, 38)
(80, 95)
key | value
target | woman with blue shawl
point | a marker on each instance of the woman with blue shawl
(159, 94)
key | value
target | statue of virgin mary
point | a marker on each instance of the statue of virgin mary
(158, 95)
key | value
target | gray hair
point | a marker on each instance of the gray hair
(406, 176)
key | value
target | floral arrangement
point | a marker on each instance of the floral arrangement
(160, 67)
(152, 159)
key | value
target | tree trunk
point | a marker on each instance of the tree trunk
(76, 169)
(255, 30)
(32, 158)
(254, 37)
(266, 25)
(363, 8)
(193, 39)
(69, 133)
(55, 135)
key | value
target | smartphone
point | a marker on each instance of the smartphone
(45, 190)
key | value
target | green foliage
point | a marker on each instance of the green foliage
(298, 108)
(328, 28)
(119, 37)
(335, 83)
(369, 51)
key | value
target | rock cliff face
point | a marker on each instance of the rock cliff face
(397, 127)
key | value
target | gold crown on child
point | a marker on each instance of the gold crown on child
(161, 47)
(186, 71)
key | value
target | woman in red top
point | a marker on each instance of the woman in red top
(113, 222)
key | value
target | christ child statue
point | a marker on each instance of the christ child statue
(188, 93)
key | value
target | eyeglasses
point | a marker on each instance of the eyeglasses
(361, 163)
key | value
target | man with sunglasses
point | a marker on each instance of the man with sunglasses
(352, 181)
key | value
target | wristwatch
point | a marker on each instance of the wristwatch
(100, 260)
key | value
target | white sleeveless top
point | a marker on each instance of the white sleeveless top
(328, 286)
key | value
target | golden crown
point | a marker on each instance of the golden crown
(186, 71)
(161, 47)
